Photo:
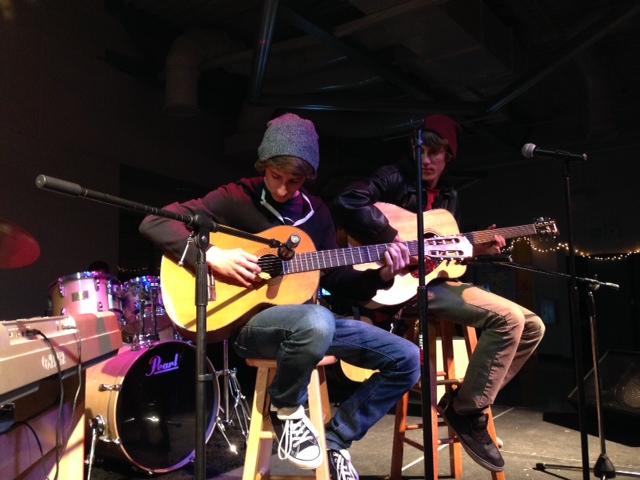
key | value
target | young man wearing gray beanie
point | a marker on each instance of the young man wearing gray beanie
(298, 336)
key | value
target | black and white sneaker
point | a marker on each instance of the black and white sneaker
(340, 466)
(297, 438)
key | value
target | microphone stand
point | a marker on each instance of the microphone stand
(201, 226)
(423, 303)
(603, 467)
(529, 150)
(576, 332)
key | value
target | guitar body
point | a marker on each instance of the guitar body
(235, 304)
(437, 223)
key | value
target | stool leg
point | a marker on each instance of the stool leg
(491, 427)
(399, 432)
(260, 440)
(324, 393)
(316, 415)
(449, 367)
(433, 385)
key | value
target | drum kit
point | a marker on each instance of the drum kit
(136, 302)
(140, 403)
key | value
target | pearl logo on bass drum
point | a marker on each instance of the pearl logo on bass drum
(159, 367)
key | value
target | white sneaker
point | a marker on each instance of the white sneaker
(297, 438)
(340, 466)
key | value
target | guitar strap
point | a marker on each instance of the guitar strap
(286, 220)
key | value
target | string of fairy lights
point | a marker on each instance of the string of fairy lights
(564, 247)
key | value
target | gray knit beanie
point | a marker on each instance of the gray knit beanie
(289, 134)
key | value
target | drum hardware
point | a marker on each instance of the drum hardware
(97, 426)
(109, 388)
(231, 389)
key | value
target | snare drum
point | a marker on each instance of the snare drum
(139, 298)
(83, 292)
(145, 398)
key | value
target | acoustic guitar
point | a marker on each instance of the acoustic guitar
(438, 223)
(285, 282)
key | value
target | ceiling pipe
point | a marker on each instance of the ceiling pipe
(319, 103)
(183, 66)
(263, 47)
(399, 80)
(361, 24)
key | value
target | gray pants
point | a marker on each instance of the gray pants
(510, 334)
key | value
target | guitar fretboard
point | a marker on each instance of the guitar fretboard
(308, 261)
(484, 236)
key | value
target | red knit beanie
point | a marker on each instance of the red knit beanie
(446, 127)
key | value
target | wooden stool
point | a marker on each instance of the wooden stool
(447, 378)
(261, 434)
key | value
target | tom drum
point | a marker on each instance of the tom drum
(83, 292)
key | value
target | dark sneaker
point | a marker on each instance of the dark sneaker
(340, 466)
(297, 438)
(472, 432)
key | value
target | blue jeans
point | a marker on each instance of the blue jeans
(298, 336)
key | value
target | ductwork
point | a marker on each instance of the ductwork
(183, 65)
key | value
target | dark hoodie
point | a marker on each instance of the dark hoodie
(354, 209)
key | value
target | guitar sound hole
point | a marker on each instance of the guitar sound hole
(271, 264)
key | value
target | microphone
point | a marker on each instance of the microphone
(530, 150)
(287, 249)
(61, 186)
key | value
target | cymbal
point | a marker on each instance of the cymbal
(17, 247)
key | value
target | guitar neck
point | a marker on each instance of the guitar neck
(484, 236)
(308, 261)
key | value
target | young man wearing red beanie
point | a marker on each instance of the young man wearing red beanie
(510, 332)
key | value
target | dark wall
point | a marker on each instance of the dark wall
(67, 113)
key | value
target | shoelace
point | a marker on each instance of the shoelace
(344, 469)
(294, 433)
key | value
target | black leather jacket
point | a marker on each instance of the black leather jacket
(354, 211)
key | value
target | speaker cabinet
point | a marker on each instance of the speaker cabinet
(620, 383)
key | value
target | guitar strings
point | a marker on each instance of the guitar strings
(304, 259)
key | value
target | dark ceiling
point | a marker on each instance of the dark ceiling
(564, 70)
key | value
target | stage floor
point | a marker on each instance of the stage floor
(528, 435)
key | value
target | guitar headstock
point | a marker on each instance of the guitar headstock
(453, 247)
(546, 226)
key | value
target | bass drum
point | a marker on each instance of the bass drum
(145, 398)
